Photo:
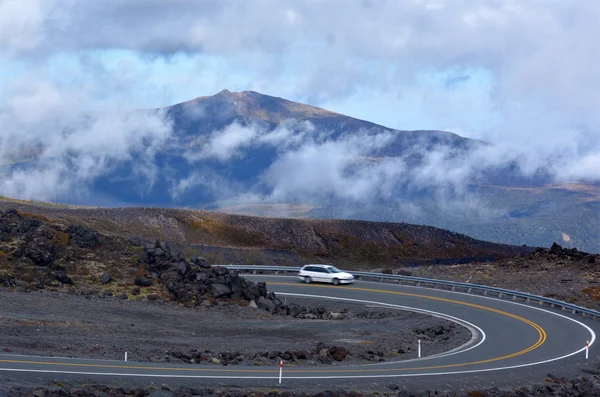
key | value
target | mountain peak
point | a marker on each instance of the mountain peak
(252, 105)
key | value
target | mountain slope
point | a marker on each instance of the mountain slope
(249, 153)
(227, 238)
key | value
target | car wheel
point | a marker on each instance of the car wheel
(336, 281)
(307, 280)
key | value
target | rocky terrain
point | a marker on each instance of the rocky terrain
(561, 273)
(587, 385)
(223, 238)
(55, 324)
(67, 280)
(36, 253)
(53, 263)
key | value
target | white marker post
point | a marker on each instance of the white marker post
(280, 370)
(125, 356)
(587, 349)
(419, 349)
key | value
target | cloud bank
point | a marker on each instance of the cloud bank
(520, 74)
(50, 149)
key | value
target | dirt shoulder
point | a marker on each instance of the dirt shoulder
(56, 324)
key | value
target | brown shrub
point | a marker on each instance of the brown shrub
(476, 393)
(34, 216)
(592, 292)
(60, 238)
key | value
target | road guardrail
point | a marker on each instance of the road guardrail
(434, 283)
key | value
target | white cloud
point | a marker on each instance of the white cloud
(538, 102)
(61, 149)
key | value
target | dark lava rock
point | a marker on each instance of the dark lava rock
(338, 353)
(63, 278)
(7, 280)
(143, 281)
(83, 237)
(41, 254)
(153, 297)
(221, 290)
(106, 278)
(191, 281)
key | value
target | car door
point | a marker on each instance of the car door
(312, 272)
(316, 274)
(326, 276)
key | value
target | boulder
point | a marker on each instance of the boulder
(41, 254)
(105, 278)
(143, 281)
(182, 267)
(251, 291)
(338, 353)
(7, 280)
(221, 290)
(201, 276)
(198, 260)
(294, 310)
(266, 304)
(83, 237)
(63, 278)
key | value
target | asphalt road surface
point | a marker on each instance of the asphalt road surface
(509, 340)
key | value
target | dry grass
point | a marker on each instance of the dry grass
(60, 238)
(228, 234)
(592, 292)
(39, 217)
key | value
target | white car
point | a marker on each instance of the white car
(324, 274)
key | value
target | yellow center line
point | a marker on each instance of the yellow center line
(541, 332)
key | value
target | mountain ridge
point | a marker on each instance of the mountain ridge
(260, 240)
(236, 149)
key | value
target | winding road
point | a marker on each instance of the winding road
(508, 338)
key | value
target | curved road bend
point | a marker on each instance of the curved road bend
(515, 343)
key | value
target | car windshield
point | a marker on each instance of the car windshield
(333, 270)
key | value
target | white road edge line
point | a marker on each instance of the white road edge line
(592, 333)
(592, 340)
(468, 325)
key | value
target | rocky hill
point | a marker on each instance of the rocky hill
(225, 238)
(37, 252)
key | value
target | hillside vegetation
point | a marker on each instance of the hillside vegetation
(225, 238)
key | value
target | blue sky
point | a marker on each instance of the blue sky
(135, 80)
(480, 69)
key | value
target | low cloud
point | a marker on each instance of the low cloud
(236, 140)
(529, 66)
(318, 170)
(51, 148)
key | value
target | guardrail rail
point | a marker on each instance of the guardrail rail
(434, 283)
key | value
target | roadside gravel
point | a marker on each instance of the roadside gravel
(57, 324)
